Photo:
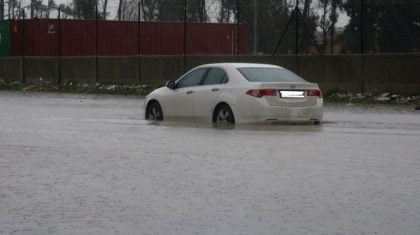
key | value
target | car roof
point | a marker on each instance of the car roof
(242, 65)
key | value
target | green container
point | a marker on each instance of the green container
(4, 37)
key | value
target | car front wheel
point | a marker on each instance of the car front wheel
(154, 112)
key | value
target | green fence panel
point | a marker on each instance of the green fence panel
(4, 38)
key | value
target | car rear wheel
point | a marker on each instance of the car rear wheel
(316, 123)
(154, 112)
(223, 115)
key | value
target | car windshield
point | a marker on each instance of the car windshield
(270, 75)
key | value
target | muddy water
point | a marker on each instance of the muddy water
(83, 164)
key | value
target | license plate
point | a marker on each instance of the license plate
(292, 94)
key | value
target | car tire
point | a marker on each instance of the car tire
(154, 112)
(223, 115)
(316, 123)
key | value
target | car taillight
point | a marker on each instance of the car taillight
(315, 92)
(261, 92)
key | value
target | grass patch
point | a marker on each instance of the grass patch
(332, 95)
(77, 87)
(372, 98)
(14, 85)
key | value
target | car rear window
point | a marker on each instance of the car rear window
(270, 75)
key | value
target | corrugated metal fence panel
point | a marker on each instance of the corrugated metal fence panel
(4, 38)
(117, 38)
(159, 38)
(16, 36)
(43, 37)
(243, 40)
(78, 37)
(210, 39)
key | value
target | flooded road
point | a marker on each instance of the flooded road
(86, 164)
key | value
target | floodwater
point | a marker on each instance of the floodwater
(90, 164)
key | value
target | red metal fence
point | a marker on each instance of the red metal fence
(52, 37)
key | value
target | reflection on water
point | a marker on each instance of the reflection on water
(285, 127)
(370, 108)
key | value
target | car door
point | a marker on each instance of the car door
(206, 94)
(179, 102)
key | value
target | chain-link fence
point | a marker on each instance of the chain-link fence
(128, 28)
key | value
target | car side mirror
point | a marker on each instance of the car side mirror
(171, 84)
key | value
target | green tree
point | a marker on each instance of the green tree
(398, 27)
(335, 5)
(66, 11)
(389, 27)
(51, 5)
(173, 10)
(85, 9)
(272, 19)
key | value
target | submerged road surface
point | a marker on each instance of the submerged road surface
(84, 164)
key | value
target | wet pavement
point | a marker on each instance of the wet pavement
(90, 164)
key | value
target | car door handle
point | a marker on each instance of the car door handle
(190, 92)
(215, 89)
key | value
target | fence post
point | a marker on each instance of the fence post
(255, 49)
(23, 47)
(362, 46)
(138, 43)
(96, 43)
(237, 29)
(185, 36)
(297, 37)
(297, 29)
(59, 47)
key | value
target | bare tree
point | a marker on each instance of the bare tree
(32, 8)
(202, 14)
(324, 22)
(335, 5)
(104, 7)
(226, 11)
(51, 5)
(13, 9)
(306, 8)
(120, 2)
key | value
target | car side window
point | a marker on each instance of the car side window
(215, 76)
(192, 79)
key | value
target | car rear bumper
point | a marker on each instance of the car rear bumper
(263, 112)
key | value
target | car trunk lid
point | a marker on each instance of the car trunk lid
(291, 94)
